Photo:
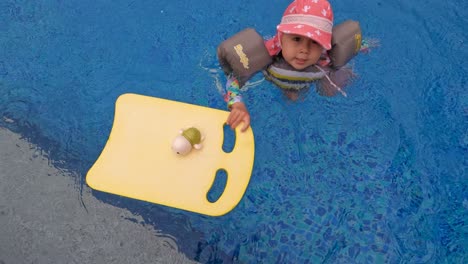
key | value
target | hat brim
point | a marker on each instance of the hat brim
(321, 37)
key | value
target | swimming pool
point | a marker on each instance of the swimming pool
(377, 177)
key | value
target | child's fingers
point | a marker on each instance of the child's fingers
(246, 125)
(243, 118)
(233, 119)
(236, 117)
(237, 120)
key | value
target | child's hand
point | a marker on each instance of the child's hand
(239, 114)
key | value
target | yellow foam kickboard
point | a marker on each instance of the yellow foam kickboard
(138, 162)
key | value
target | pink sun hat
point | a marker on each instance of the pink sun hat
(309, 18)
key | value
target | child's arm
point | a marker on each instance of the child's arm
(241, 56)
(238, 109)
(233, 93)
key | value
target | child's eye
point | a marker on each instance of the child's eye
(296, 39)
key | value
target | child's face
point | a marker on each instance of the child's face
(299, 51)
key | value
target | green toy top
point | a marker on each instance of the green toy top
(193, 135)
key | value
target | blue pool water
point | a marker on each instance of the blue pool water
(377, 177)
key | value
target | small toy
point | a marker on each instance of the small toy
(188, 139)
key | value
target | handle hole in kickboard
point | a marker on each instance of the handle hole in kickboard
(229, 139)
(219, 184)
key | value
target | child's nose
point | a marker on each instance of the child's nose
(304, 48)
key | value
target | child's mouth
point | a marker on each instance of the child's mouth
(300, 61)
